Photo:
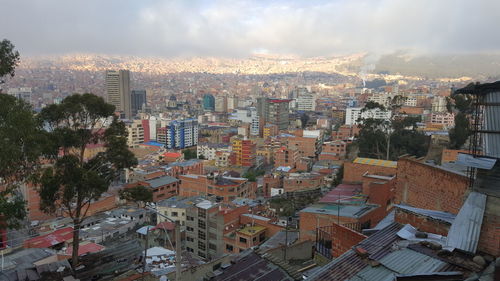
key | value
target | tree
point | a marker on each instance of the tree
(21, 140)
(138, 194)
(461, 105)
(72, 182)
(189, 154)
(9, 59)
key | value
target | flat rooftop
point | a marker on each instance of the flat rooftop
(351, 211)
(251, 230)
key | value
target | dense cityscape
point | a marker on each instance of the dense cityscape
(262, 167)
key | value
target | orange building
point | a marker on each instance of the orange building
(333, 150)
(225, 188)
(162, 187)
(245, 152)
(270, 130)
(286, 157)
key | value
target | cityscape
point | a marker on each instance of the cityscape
(247, 140)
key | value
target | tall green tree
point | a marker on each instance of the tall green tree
(139, 194)
(20, 139)
(9, 59)
(19, 144)
(461, 105)
(388, 139)
(72, 182)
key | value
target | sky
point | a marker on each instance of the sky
(308, 28)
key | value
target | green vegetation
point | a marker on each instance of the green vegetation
(72, 182)
(461, 105)
(189, 154)
(389, 139)
(252, 175)
(138, 194)
(20, 144)
(9, 59)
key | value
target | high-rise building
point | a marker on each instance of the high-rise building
(305, 100)
(138, 100)
(208, 102)
(23, 93)
(182, 133)
(221, 103)
(118, 91)
(277, 112)
(232, 103)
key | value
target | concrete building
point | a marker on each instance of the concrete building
(182, 133)
(248, 115)
(209, 150)
(232, 103)
(354, 113)
(221, 103)
(305, 100)
(208, 102)
(118, 91)
(23, 93)
(447, 119)
(135, 133)
(277, 113)
(245, 152)
(138, 101)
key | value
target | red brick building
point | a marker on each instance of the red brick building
(191, 166)
(162, 187)
(333, 150)
(224, 188)
(285, 157)
(354, 171)
(346, 132)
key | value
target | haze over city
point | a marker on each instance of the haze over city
(242, 28)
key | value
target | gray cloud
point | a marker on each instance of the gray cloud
(240, 28)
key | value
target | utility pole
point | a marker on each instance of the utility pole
(177, 251)
(145, 253)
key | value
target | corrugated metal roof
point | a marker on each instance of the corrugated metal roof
(476, 162)
(492, 124)
(443, 216)
(406, 261)
(376, 162)
(379, 273)
(465, 230)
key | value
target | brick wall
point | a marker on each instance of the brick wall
(421, 222)
(310, 221)
(427, 187)
(489, 239)
(450, 155)
(353, 172)
(343, 239)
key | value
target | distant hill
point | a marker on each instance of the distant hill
(477, 66)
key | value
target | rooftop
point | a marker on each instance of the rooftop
(352, 211)
(251, 230)
(376, 162)
(157, 182)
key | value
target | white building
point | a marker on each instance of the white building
(23, 93)
(411, 101)
(439, 104)
(248, 115)
(209, 150)
(354, 113)
(382, 99)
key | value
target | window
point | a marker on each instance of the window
(174, 214)
(189, 218)
(188, 228)
(229, 248)
(201, 246)
(189, 239)
(243, 240)
(201, 224)
(212, 246)
(202, 235)
(254, 239)
(262, 236)
(189, 249)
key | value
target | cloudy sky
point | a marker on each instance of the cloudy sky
(231, 28)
